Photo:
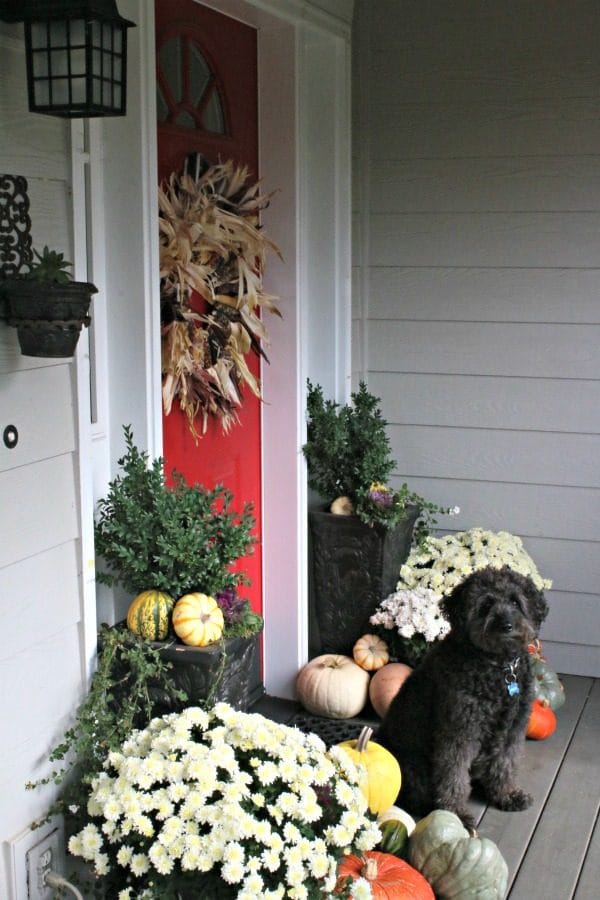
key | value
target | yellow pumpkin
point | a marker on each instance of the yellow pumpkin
(370, 652)
(382, 779)
(332, 685)
(198, 619)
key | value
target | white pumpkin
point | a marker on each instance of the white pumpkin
(333, 685)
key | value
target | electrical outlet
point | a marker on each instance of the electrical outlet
(41, 859)
(34, 853)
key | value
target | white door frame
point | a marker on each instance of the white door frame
(304, 148)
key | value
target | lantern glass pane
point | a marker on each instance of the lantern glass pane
(97, 63)
(78, 62)
(107, 36)
(107, 65)
(40, 64)
(118, 39)
(96, 34)
(39, 35)
(60, 91)
(96, 91)
(78, 90)
(77, 32)
(117, 69)
(106, 94)
(117, 94)
(40, 93)
(58, 34)
(59, 63)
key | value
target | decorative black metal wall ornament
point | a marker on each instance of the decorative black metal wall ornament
(16, 253)
(76, 55)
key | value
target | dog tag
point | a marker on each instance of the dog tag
(513, 688)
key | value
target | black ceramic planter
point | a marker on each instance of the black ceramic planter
(203, 673)
(48, 317)
(354, 567)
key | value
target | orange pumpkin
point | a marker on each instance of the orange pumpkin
(370, 652)
(385, 684)
(389, 878)
(542, 721)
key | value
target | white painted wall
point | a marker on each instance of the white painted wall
(42, 662)
(476, 315)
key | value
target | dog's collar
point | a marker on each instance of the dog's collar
(511, 676)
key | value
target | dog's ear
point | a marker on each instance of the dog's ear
(537, 605)
(452, 606)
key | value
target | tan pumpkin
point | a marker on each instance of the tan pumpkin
(198, 619)
(385, 684)
(370, 652)
(332, 685)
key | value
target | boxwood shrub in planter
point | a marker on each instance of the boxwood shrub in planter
(363, 532)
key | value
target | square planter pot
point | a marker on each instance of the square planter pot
(229, 672)
(353, 568)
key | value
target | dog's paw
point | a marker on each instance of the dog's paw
(514, 801)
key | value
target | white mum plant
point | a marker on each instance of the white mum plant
(410, 617)
(222, 803)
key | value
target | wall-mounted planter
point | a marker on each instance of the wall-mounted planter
(48, 317)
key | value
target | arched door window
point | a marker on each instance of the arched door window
(188, 93)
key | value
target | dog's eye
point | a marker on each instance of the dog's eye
(515, 601)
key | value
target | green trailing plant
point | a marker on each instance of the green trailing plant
(177, 538)
(348, 454)
(122, 696)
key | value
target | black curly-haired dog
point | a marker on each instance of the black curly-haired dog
(459, 719)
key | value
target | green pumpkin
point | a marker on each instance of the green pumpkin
(150, 615)
(457, 866)
(546, 684)
(394, 837)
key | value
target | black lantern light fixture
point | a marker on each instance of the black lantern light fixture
(76, 55)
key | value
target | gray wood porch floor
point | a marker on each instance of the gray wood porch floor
(553, 848)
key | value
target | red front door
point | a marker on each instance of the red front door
(207, 103)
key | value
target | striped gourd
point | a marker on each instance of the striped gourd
(150, 614)
(198, 619)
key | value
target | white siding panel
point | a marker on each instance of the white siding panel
(487, 185)
(485, 294)
(480, 196)
(496, 128)
(537, 351)
(529, 510)
(571, 617)
(39, 404)
(469, 401)
(44, 692)
(38, 508)
(485, 239)
(46, 586)
(524, 457)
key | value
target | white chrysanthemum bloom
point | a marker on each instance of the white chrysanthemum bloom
(360, 889)
(140, 864)
(161, 859)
